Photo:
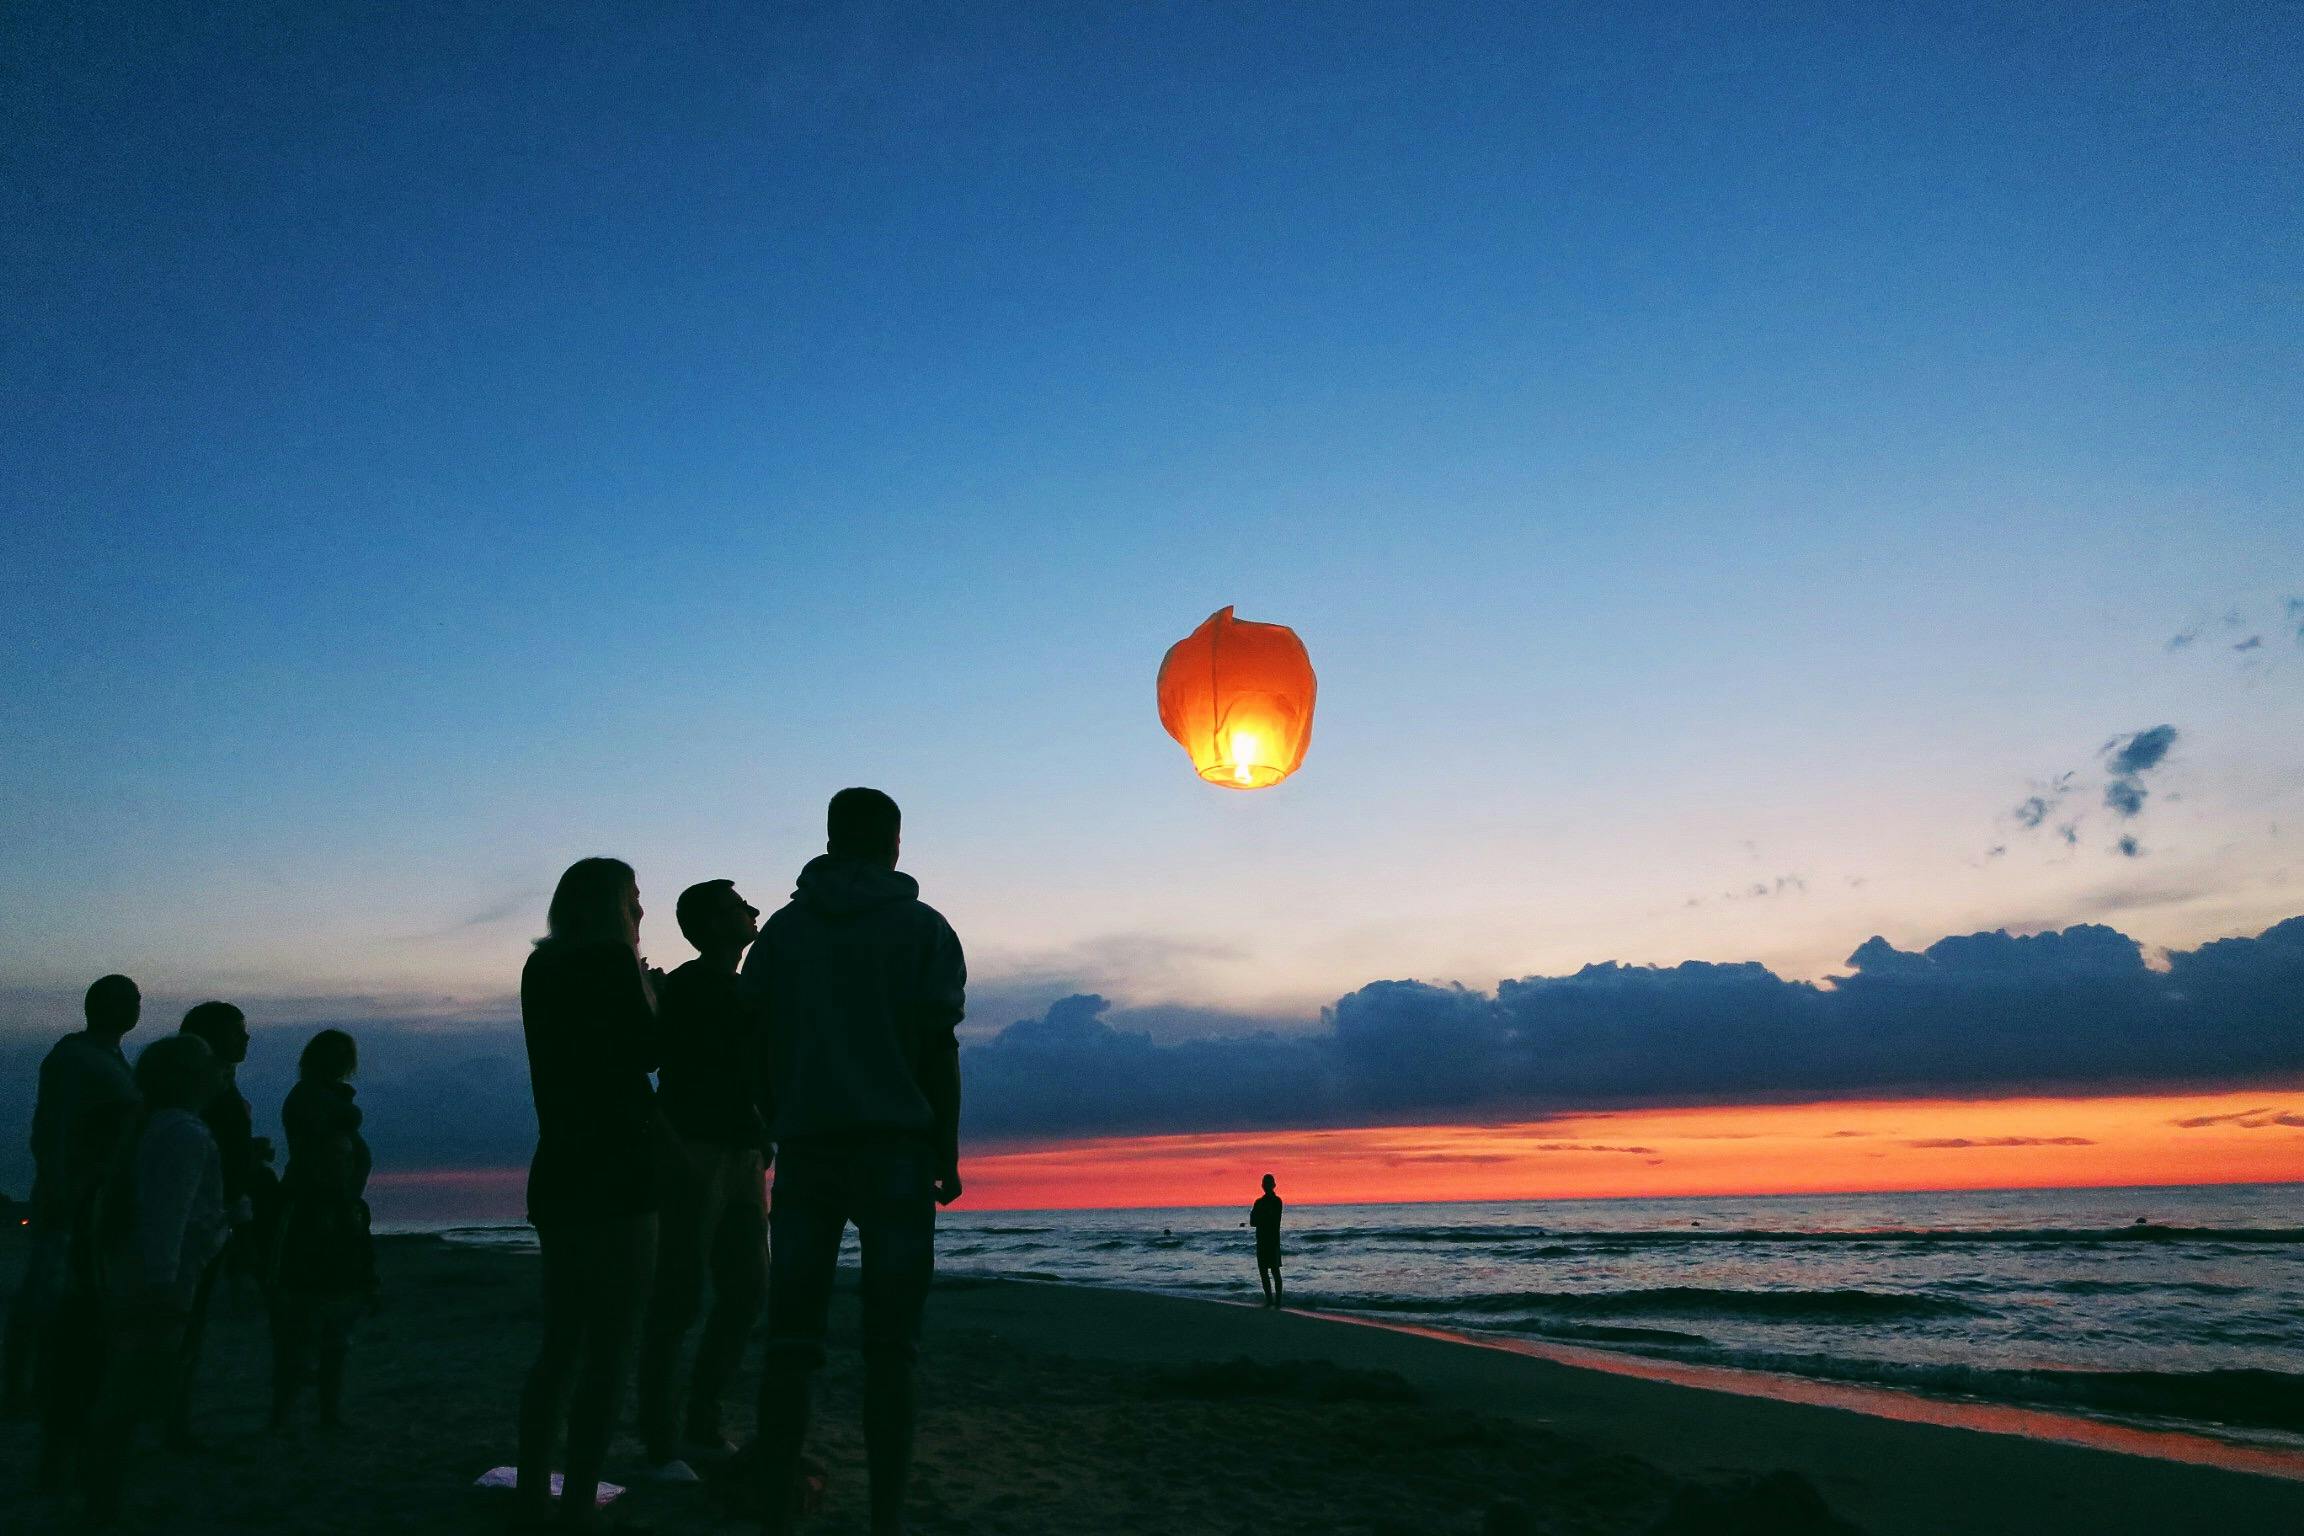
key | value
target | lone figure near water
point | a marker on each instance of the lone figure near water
(1264, 1216)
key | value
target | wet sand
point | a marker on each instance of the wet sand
(1056, 1409)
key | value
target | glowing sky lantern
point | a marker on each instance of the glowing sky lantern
(1238, 696)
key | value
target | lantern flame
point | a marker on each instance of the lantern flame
(1243, 757)
(1238, 696)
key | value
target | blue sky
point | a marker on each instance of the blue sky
(1707, 450)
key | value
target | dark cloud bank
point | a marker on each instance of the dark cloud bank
(1982, 1014)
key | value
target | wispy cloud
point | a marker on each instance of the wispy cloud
(2246, 1119)
(1940, 1143)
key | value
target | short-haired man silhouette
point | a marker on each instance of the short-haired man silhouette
(87, 1097)
(1264, 1216)
(715, 1212)
(858, 985)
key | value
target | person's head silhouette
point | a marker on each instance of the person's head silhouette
(223, 1026)
(596, 900)
(864, 824)
(329, 1057)
(112, 1006)
(1267, 1183)
(176, 1072)
(716, 919)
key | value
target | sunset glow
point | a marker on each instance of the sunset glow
(2216, 1138)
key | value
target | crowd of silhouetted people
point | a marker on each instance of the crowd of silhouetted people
(821, 1043)
(150, 1191)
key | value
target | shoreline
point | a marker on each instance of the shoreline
(1921, 1472)
(1903, 1405)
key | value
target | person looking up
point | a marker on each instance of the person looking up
(86, 1096)
(225, 1030)
(588, 1012)
(324, 1269)
(158, 1225)
(1264, 1216)
(860, 986)
(715, 1214)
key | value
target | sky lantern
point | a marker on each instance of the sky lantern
(1238, 697)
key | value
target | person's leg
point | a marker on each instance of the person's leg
(1279, 1286)
(616, 1289)
(684, 1235)
(333, 1328)
(291, 1355)
(1264, 1279)
(739, 1284)
(896, 1228)
(547, 1384)
(147, 1353)
(805, 1219)
(36, 1301)
(176, 1426)
(68, 1375)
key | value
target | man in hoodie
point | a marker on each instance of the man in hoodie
(858, 986)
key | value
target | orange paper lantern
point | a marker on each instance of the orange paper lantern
(1238, 697)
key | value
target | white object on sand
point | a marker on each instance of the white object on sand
(509, 1477)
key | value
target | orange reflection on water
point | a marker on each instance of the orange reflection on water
(1844, 1147)
(1884, 1403)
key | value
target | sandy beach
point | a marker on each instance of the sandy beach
(1059, 1409)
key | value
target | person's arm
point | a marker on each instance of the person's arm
(942, 1085)
(753, 1020)
(946, 1006)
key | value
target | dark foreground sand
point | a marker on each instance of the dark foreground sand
(1053, 1409)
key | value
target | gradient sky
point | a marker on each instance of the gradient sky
(1722, 459)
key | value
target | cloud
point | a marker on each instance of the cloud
(1983, 1013)
(1944, 1142)
(2129, 848)
(2252, 643)
(2178, 642)
(2246, 1119)
(2129, 758)
(2075, 1010)
(1782, 885)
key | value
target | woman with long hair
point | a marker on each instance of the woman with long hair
(589, 1013)
(324, 1265)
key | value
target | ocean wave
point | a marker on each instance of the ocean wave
(2250, 1399)
(1679, 1301)
(2138, 1287)
(1604, 1241)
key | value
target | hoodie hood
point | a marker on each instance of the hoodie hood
(835, 886)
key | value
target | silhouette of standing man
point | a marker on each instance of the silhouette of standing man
(858, 985)
(1264, 1216)
(715, 1218)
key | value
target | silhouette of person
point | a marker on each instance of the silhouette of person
(1264, 1216)
(85, 1097)
(715, 1214)
(859, 986)
(324, 1266)
(588, 1010)
(225, 1029)
(159, 1223)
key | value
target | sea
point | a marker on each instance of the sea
(2172, 1308)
